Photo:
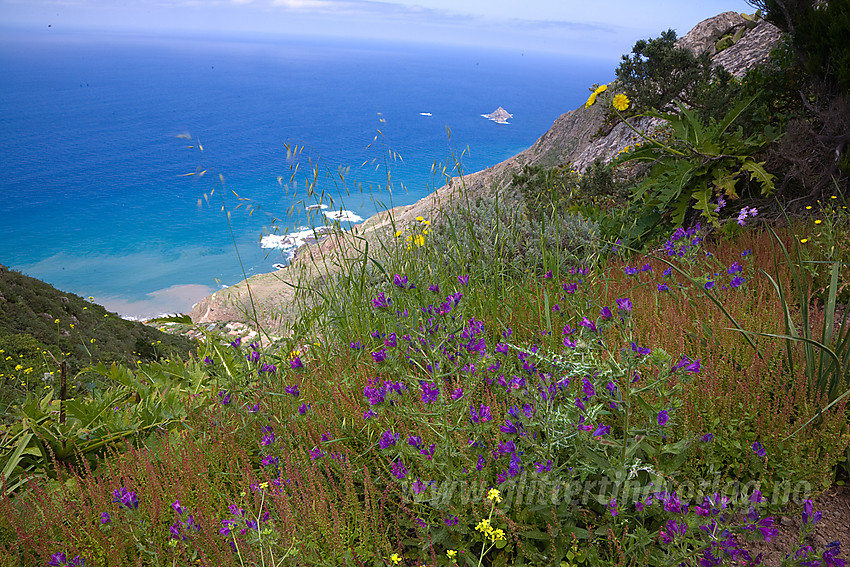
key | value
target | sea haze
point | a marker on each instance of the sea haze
(98, 134)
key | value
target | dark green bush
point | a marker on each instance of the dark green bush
(657, 72)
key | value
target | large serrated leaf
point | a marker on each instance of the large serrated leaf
(758, 173)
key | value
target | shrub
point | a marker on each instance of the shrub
(509, 238)
(657, 72)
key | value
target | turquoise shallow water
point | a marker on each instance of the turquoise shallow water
(97, 134)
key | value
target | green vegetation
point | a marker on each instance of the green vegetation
(578, 375)
(41, 326)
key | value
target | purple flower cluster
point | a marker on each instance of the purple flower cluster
(60, 560)
(684, 242)
(188, 525)
(126, 498)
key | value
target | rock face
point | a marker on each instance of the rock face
(279, 298)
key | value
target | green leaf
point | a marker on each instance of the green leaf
(758, 173)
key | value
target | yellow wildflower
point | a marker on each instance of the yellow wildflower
(398, 233)
(18, 367)
(600, 89)
(833, 197)
(804, 240)
(808, 207)
(620, 102)
(494, 494)
(818, 221)
(395, 558)
(419, 240)
(56, 320)
(452, 553)
(420, 219)
(484, 526)
(497, 534)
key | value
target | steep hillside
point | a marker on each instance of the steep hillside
(39, 322)
(573, 139)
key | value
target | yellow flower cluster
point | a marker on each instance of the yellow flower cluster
(414, 239)
(599, 90)
(493, 534)
(494, 495)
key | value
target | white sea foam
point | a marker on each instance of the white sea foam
(289, 242)
(344, 216)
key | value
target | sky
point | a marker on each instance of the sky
(569, 27)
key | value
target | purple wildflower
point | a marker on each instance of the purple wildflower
(601, 430)
(585, 322)
(606, 313)
(225, 397)
(296, 363)
(316, 453)
(379, 355)
(587, 388)
(104, 518)
(127, 498)
(381, 301)
(430, 392)
(292, 391)
(457, 394)
(663, 418)
(464, 280)
(388, 439)
(809, 514)
(625, 304)
(369, 414)
(398, 469)
(510, 428)
(759, 449)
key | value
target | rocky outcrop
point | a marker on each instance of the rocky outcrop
(500, 116)
(280, 297)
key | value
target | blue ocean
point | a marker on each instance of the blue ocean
(134, 168)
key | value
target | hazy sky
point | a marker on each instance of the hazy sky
(606, 28)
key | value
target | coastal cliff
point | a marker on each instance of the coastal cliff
(276, 299)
